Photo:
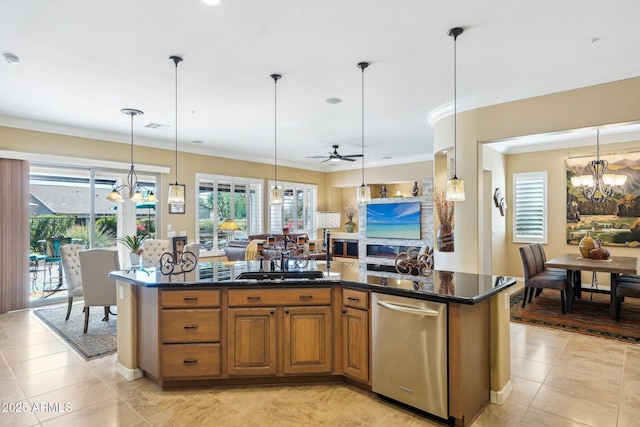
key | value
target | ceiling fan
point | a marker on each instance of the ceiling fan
(336, 157)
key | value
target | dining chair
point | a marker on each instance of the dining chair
(152, 250)
(537, 277)
(628, 285)
(70, 259)
(98, 288)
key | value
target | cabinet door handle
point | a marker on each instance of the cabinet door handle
(191, 327)
(273, 312)
(253, 298)
(344, 310)
(190, 298)
(306, 296)
(353, 299)
(190, 361)
(286, 311)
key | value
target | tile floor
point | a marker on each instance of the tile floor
(559, 379)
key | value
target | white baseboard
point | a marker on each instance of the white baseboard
(500, 396)
(129, 374)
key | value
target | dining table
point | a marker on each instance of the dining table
(575, 263)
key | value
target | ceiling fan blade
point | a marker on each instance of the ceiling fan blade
(346, 159)
(353, 155)
(316, 157)
(325, 160)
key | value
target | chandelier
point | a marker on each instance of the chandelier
(363, 194)
(131, 190)
(599, 186)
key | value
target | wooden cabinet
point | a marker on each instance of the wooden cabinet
(345, 248)
(355, 334)
(279, 331)
(189, 329)
(252, 341)
(307, 340)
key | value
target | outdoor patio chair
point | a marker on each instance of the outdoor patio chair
(52, 251)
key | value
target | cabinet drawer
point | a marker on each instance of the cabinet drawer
(357, 299)
(190, 298)
(186, 325)
(294, 296)
(190, 360)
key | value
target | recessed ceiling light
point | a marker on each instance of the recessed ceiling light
(333, 100)
(387, 157)
(197, 141)
(11, 58)
(593, 40)
(212, 2)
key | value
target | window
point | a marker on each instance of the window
(297, 211)
(222, 197)
(530, 207)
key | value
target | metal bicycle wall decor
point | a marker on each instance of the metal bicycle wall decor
(174, 263)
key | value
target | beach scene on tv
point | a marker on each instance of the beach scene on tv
(394, 220)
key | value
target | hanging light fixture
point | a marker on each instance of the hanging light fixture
(599, 186)
(276, 192)
(455, 186)
(176, 191)
(130, 190)
(363, 196)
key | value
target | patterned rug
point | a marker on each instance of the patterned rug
(589, 316)
(100, 339)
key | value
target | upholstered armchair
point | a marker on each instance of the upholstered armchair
(70, 259)
(152, 250)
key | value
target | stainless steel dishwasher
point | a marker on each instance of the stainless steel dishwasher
(409, 351)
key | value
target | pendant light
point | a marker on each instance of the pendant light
(130, 190)
(599, 186)
(363, 196)
(276, 192)
(176, 191)
(455, 186)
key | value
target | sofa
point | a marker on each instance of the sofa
(235, 250)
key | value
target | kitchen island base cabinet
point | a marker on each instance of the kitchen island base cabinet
(277, 332)
(252, 341)
(307, 340)
(355, 335)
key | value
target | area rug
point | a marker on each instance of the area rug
(100, 339)
(589, 316)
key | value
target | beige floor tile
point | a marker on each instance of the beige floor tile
(10, 391)
(45, 363)
(577, 405)
(105, 413)
(74, 397)
(537, 418)
(604, 382)
(18, 414)
(34, 351)
(49, 381)
(629, 414)
(529, 369)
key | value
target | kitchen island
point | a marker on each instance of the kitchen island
(210, 327)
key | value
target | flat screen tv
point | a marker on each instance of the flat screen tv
(394, 220)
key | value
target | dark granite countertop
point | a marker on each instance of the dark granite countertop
(444, 286)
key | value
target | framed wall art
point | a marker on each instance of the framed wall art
(615, 221)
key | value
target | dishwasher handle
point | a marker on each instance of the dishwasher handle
(409, 309)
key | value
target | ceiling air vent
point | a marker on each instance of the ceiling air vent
(152, 125)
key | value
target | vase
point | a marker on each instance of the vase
(135, 259)
(350, 227)
(444, 238)
(586, 244)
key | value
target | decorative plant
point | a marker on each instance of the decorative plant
(350, 212)
(444, 208)
(133, 243)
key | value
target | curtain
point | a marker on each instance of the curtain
(14, 235)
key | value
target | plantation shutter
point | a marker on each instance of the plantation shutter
(530, 207)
